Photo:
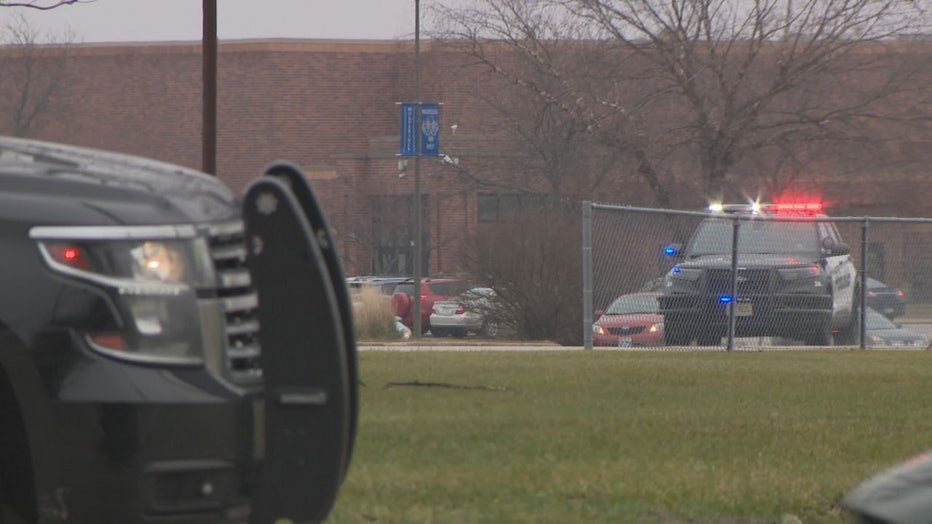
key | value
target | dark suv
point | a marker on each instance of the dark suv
(795, 279)
(156, 359)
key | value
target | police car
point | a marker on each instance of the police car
(795, 278)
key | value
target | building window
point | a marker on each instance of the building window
(487, 208)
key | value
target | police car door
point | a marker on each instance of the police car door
(840, 268)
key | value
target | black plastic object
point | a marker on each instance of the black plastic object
(297, 181)
(309, 414)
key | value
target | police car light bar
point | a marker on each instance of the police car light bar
(797, 208)
(780, 208)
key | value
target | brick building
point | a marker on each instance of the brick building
(331, 107)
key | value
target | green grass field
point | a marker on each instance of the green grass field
(617, 437)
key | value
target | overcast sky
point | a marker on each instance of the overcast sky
(145, 20)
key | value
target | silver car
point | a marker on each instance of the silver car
(469, 312)
(880, 331)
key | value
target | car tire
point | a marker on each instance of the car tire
(821, 336)
(674, 334)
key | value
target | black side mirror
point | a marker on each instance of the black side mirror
(831, 248)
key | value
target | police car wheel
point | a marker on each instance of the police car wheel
(821, 337)
(709, 339)
(674, 335)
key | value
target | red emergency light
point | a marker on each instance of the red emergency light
(797, 208)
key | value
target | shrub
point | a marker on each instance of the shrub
(373, 316)
(534, 264)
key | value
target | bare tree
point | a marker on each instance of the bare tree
(535, 272)
(40, 4)
(32, 77)
(703, 89)
(541, 81)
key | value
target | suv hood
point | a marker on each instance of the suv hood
(46, 183)
(750, 260)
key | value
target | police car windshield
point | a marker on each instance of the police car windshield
(714, 237)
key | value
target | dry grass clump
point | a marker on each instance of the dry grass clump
(373, 316)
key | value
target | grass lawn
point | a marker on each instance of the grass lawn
(617, 437)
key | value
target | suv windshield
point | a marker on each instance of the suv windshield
(714, 237)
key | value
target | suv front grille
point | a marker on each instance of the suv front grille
(239, 301)
(750, 281)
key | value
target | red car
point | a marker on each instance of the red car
(432, 290)
(630, 320)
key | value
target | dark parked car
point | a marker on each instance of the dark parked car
(880, 331)
(887, 300)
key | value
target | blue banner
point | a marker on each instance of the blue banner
(408, 129)
(430, 129)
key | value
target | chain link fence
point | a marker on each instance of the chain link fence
(749, 277)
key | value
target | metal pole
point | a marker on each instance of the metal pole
(417, 173)
(732, 304)
(587, 273)
(209, 71)
(862, 288)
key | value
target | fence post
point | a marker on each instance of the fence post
(732, 304)
(587, 273)
(862, 288)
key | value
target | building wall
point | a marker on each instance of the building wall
(331, 107)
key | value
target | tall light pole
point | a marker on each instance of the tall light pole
(209, 87)
(417, 173)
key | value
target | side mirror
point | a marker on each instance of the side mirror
(832, 248)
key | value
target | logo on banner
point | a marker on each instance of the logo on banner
(430, 129)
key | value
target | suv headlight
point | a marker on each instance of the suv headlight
(685, 273)
(152, 283)
(682, 276)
